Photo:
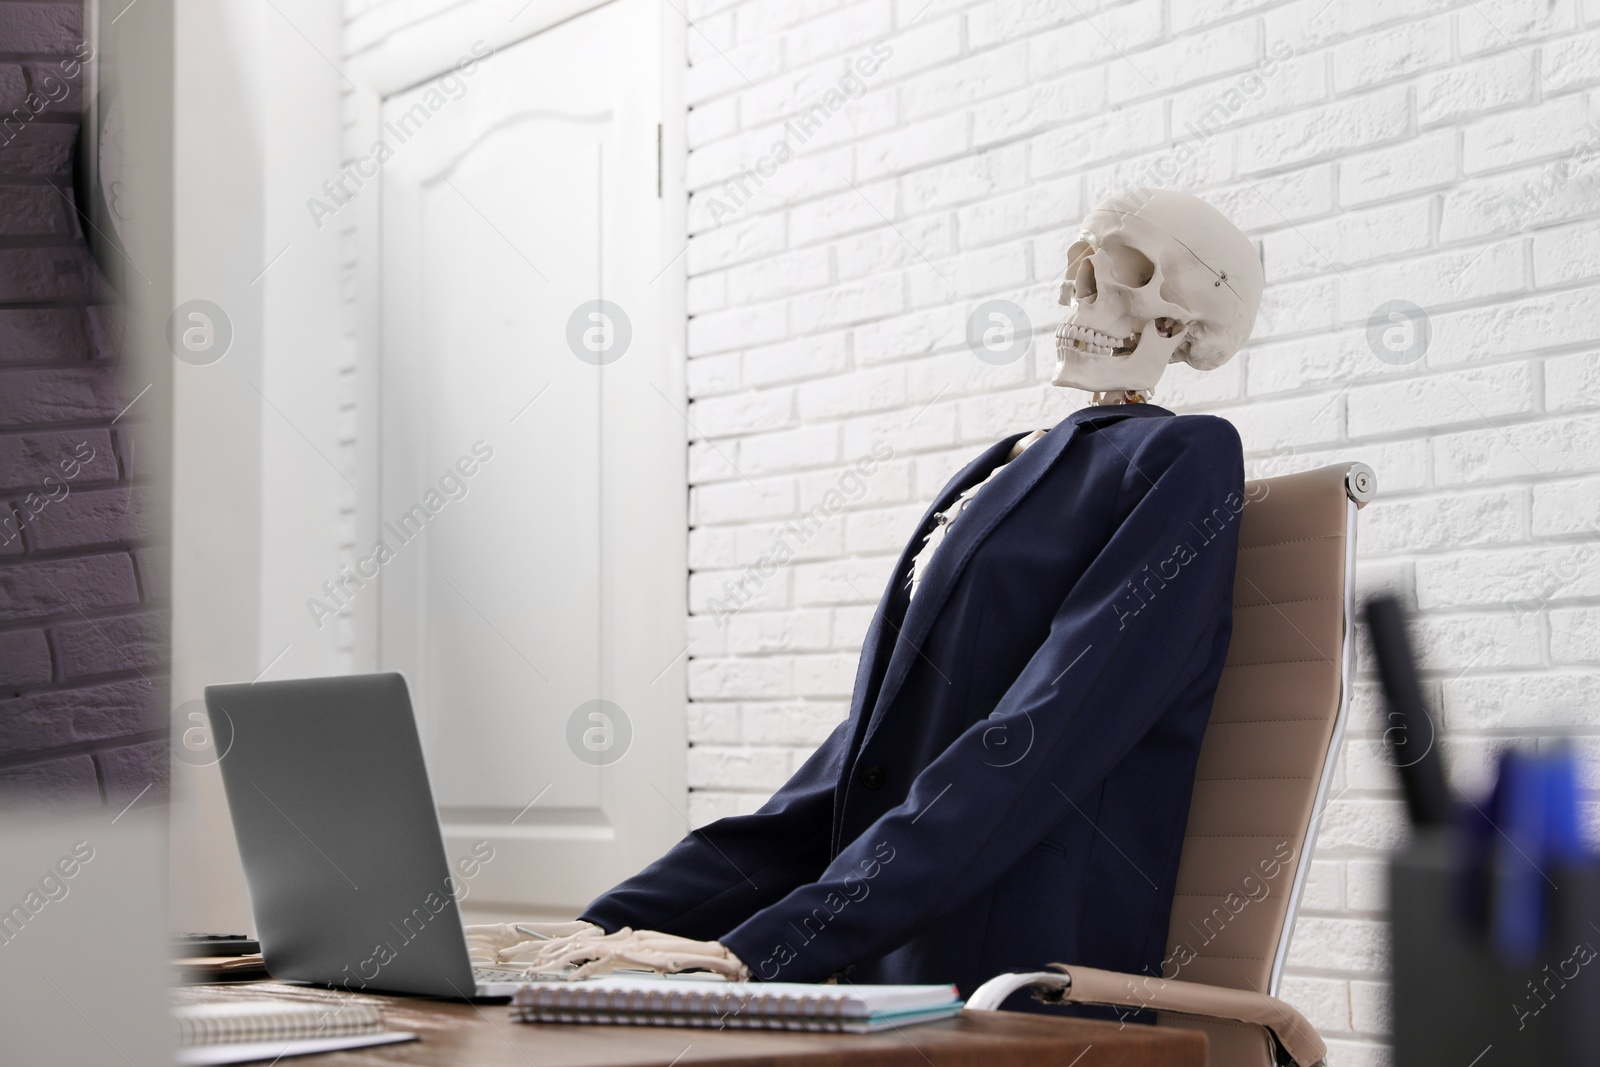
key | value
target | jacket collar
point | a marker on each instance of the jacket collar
(1105, 413)
(1000, 496)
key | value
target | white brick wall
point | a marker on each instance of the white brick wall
(1434, 151)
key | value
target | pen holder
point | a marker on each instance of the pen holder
(1457, 1004)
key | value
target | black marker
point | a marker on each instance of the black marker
(1412, 736)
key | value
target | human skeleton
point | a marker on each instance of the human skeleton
(1155, 277)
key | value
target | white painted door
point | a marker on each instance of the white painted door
(533, 456)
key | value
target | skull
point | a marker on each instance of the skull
(1156, 277)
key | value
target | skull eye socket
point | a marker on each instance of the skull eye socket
(1130, 266)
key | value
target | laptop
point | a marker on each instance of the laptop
(346, 867)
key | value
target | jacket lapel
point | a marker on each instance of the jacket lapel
(963, 539)
(881, 632)
(999, 497)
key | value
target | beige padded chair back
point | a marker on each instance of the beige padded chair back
(1274, 732)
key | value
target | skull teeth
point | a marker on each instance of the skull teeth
(1090, 341)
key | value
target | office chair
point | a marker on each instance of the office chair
(1260, 787)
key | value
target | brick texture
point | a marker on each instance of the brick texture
(24, 661)
(83, 634)
(67, 784)
(1393, 153)
(47, 29)
(135, 773)
(111, 646)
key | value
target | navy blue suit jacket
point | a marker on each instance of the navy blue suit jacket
(1012, 784)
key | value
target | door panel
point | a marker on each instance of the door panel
(521, 591)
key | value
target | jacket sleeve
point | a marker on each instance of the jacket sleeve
(1110, 665)
(720, 874)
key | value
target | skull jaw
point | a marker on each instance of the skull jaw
(1139, 370)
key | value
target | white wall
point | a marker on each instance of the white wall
(1425, 150)
(257, 480)
(1387, 154)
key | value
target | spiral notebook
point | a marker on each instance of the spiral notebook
(713, 1003)
(241, 1031)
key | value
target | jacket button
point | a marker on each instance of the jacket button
(872, 776)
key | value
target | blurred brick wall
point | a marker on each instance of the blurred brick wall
(83, 583)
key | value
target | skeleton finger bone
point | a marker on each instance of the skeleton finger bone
(497, 943)
(640, 949)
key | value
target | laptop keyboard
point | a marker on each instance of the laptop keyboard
(500, 974)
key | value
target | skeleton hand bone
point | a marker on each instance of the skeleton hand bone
(553, 946)
(501, 943)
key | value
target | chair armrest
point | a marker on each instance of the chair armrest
(1086, 985)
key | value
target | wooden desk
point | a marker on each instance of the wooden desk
(483, 1035)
